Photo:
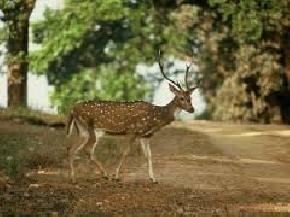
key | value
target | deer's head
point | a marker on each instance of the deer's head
(182, 97)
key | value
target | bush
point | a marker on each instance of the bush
(206, 115)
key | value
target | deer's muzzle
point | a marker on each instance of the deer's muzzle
(190, 110)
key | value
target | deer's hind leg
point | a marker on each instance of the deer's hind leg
(90, 150)
(75, 148)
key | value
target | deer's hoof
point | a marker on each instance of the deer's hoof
(153, 181)
(116, 179)
(105, 177)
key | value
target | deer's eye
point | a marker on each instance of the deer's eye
(181, 98)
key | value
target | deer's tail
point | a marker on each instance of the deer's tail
(71, 123)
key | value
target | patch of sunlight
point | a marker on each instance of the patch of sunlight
(222, 159)
(274, 180)
(268, 207)
(247, 160)
(285, 133)
(187, 124)
(42, 172)
(212, 130)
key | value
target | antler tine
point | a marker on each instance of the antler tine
(188, 65)
(161, 66)
(196, 86)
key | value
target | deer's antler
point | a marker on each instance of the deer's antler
(188, 65)
(196, 86)
(161, 66)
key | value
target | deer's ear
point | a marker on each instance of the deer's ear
(173, 89)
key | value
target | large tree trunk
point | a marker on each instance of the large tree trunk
(16, 16)
(286, 48)
(18, 64)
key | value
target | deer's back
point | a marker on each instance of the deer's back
(118, 117)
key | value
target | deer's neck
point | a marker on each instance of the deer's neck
(170, 109)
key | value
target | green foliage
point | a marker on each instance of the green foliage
(91, 42)
(80, 87)
(75, 42)
(205, 115)
(240, 56)
(15, 14)
(90, 49)
(107, 84)
(247, 18)
(3, 34)
(66, 30)
(117, 84)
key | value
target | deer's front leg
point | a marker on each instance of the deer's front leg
(124, 155)
(147, 152)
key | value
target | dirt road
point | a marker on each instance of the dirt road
(203, 169)
(228, 157)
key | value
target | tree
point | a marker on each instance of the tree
(243, 56)
(259, 29)
(16, 17)
(241, 59)
(103, 41)
(89, 42)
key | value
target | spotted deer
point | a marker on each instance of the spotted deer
(138, 120)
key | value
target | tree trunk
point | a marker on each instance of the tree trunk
(286, 48)
(17, 63)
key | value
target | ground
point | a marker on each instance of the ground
(203, 169)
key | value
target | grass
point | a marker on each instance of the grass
(26, 146)
(10, 159)
(32, 116)
(31, 147)
(39, 145)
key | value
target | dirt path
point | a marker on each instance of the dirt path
(203, 169)
(225, 157)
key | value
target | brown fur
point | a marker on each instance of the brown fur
(139, 118)
(130, 118)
